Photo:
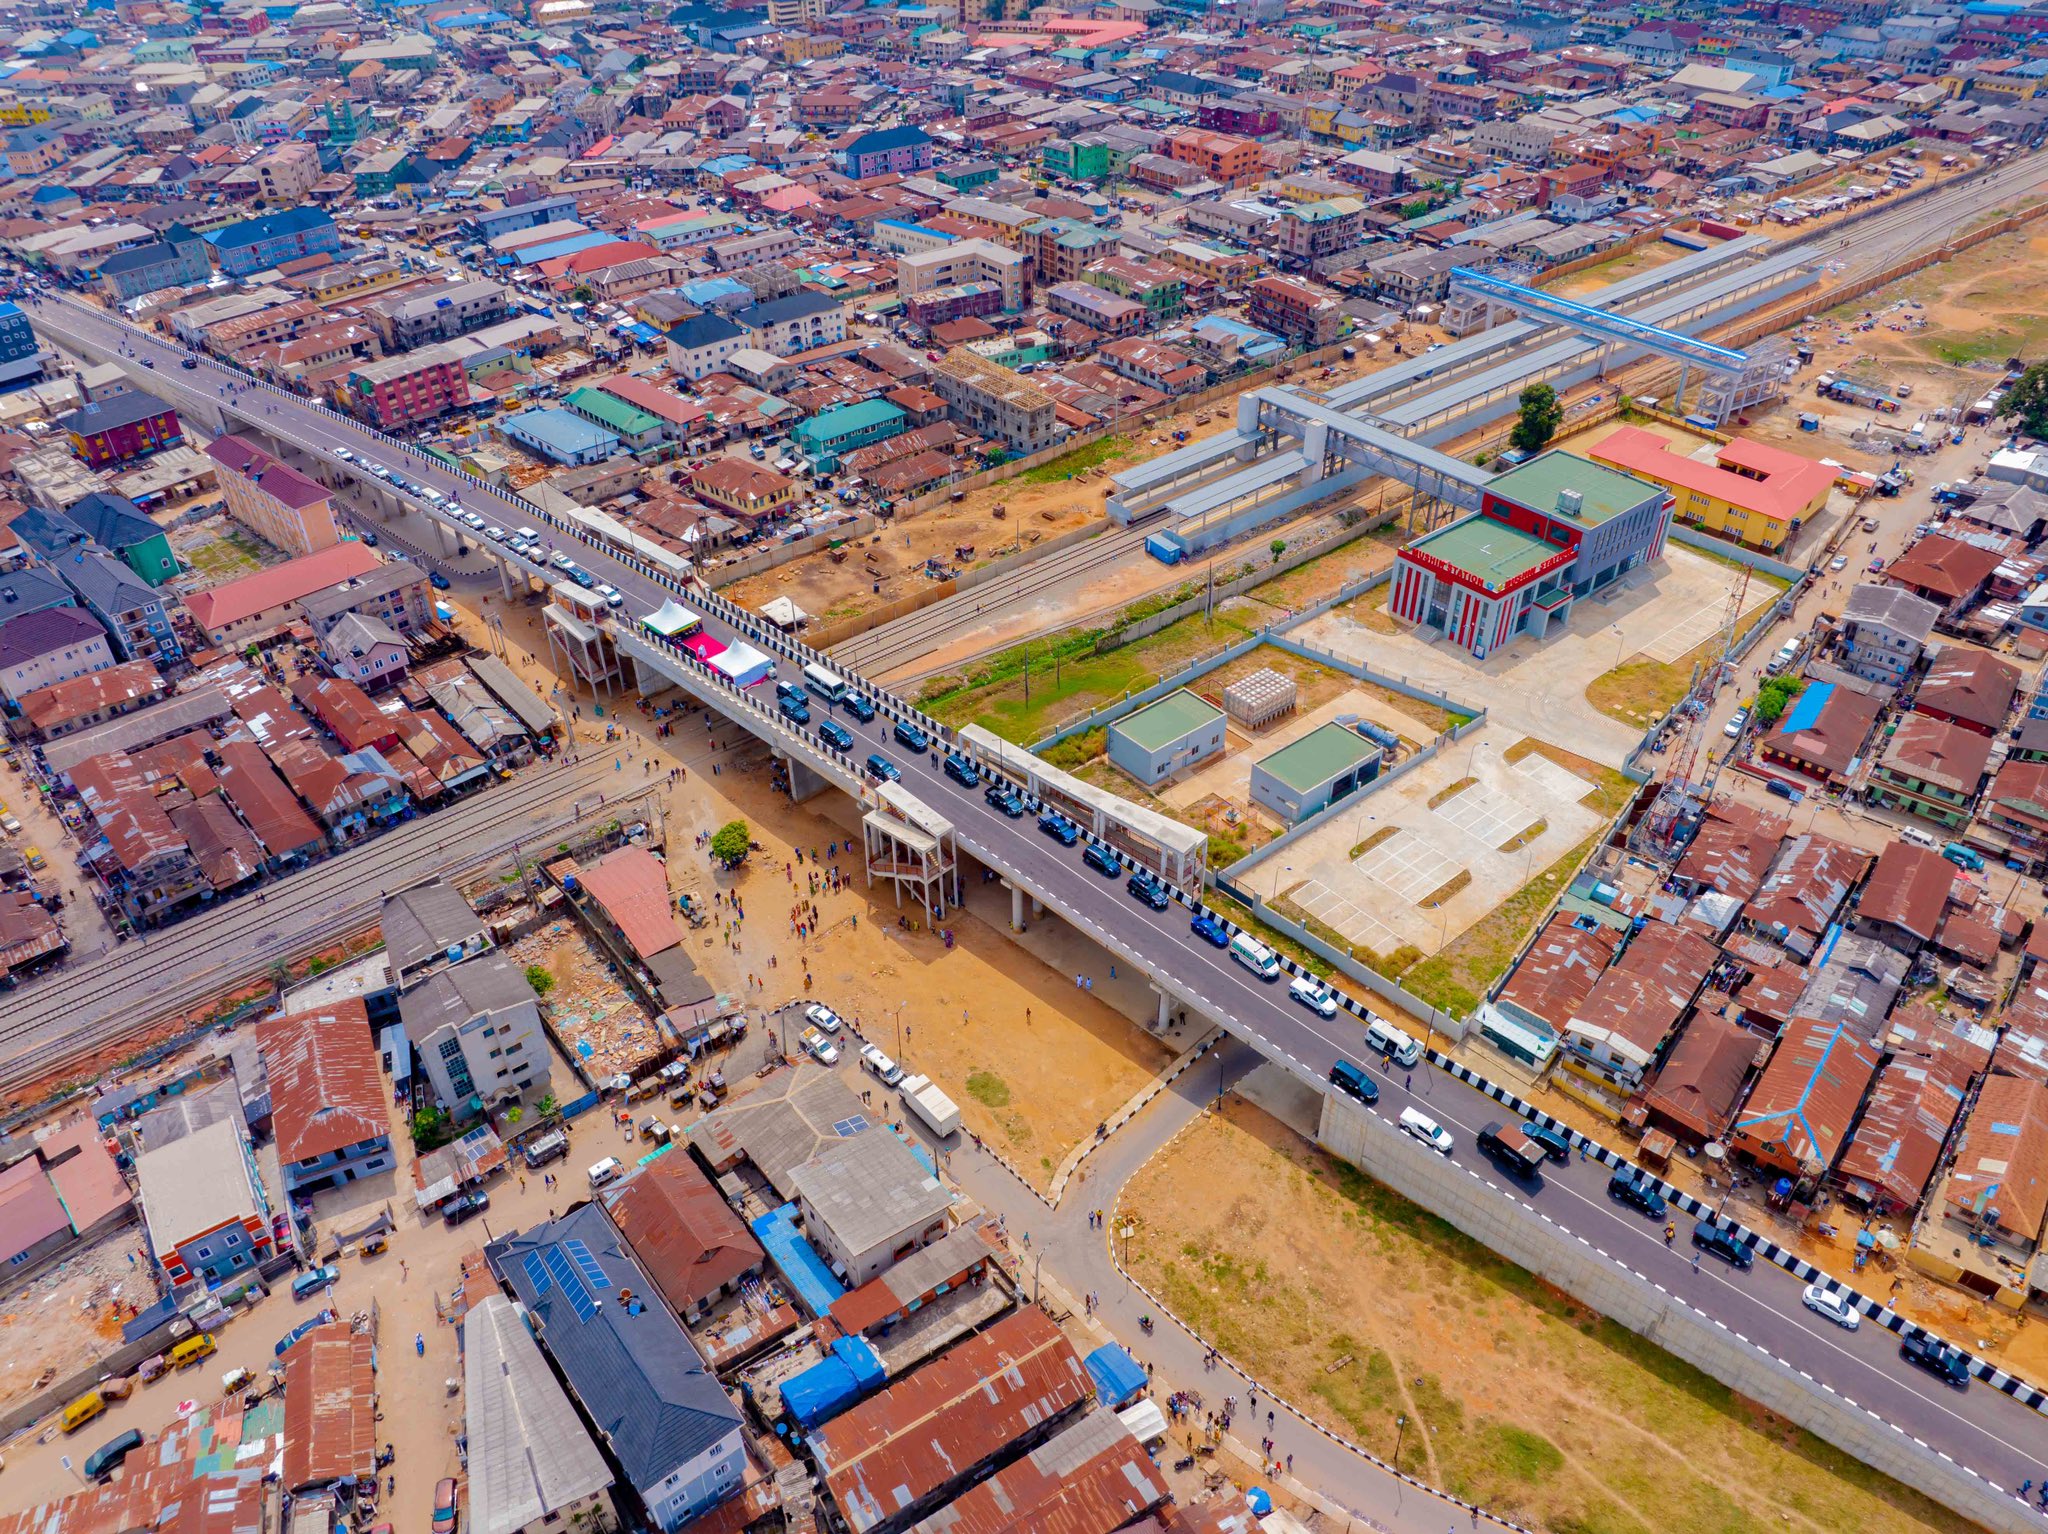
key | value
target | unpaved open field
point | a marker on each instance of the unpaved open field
(1360, 1306)
(1986, 305)
(1055, 497)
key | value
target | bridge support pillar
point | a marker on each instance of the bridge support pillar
(804, 784)
(1165, 1009)
(1314, 443)
(505, 579)
(1016, 908)
(1248, 423)
(446, 539)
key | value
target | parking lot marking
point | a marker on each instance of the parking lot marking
(1489, 815)
(1409, 866)
(1357, 924)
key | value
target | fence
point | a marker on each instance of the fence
(1443, 1022)
(782, 553)
(1216, 393)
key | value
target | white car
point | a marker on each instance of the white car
(1735, 723)
(380, 471)
(1836, 1307)
(475, 522)
(344, 455)
(877, 1064)
(1427, 1130)
(822, 1049)
(822, 1016)
(1314, 995)
(613, 597)
(495, 533)
(560, 560)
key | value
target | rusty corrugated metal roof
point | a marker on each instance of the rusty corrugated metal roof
(951, 1417)
(1090, 1478)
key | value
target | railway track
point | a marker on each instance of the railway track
(72, 1012)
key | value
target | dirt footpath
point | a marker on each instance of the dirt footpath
(1363, 1307)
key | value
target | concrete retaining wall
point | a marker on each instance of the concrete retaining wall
(1525, 1237)
(1720, 548)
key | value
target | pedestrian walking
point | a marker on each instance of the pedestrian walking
(419, 1343)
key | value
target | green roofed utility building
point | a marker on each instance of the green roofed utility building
(1179, 731)
(1314, 772)
(829, 434)
(1556, 529)
(640, 430)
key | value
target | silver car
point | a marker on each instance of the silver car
(1836, 1307)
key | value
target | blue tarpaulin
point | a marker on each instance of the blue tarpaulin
(1117, 1375)
(826, 1389)
(798, 1260)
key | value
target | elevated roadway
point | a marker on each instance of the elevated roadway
(1992, 1434)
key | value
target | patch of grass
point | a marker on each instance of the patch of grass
(1373, 841)
(988, 1089)
(1067, 675)
(1457, 978)
(1278, 941)
(1449, 792)
(1446, 890)
(1638, 691)
(1079, 750)
(1256, 1240)
(1522, 839)
(1067, 465)
(1370, 612)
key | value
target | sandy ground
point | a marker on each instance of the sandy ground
(60, 1320)
(894, 556)
(1363, 1308)
(1977, 309)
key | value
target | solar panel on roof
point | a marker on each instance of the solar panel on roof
(571, 1284)
(536, 1274)
(585, 1263)
(846, 1128)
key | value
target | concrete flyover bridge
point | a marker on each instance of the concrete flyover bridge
(1960, 1446)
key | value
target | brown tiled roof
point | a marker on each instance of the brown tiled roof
(1944, 566)
(1834, 738)
(116, 687)
(2002, 1162)
(958, 1412)
(1970, 687)
(1937, 751)
(686, 1236)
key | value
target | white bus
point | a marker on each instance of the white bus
(828, 685)
(1255, 956)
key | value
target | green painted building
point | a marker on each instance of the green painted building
(830, 433)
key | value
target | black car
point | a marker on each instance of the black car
(464, 1205)
(1004, 798)
(1102, 860)
(962, 771)
(1724, 1244)
(1635, 1190)
(881, 769)
(1554, 1144)
(189, 363)
(910, 735)
(1059, 828)
(858, 706)
(1937, 1358)
(1148, 889)
(837, 736)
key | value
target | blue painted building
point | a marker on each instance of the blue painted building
(21, 355)
(256, 244)
(560, 436)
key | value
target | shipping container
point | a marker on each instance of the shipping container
(934, 1108)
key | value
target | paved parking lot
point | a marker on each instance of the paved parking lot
(1408, 866)
(1488, 814)
(1374, 900)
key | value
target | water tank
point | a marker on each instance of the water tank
(454, 953)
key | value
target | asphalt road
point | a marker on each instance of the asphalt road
(1979, 1427)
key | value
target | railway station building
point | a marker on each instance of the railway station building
(1547, 534)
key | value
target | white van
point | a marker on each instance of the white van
(606, 1171)
(1393, 1043)
(1255, 956)
(1918, 837)
(1783, 658)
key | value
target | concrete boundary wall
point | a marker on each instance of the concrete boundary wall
(1720, 548)
(1518, 1231)
(783, 553)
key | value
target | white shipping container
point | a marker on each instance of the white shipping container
(940, 1114)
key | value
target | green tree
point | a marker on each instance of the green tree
(2027, 401)
(583, 293)
(1279, 547)
(1538, 420)
(547, 1106)
(538, 977)
(1774, 697)
(431, 1130)
(731, 842)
